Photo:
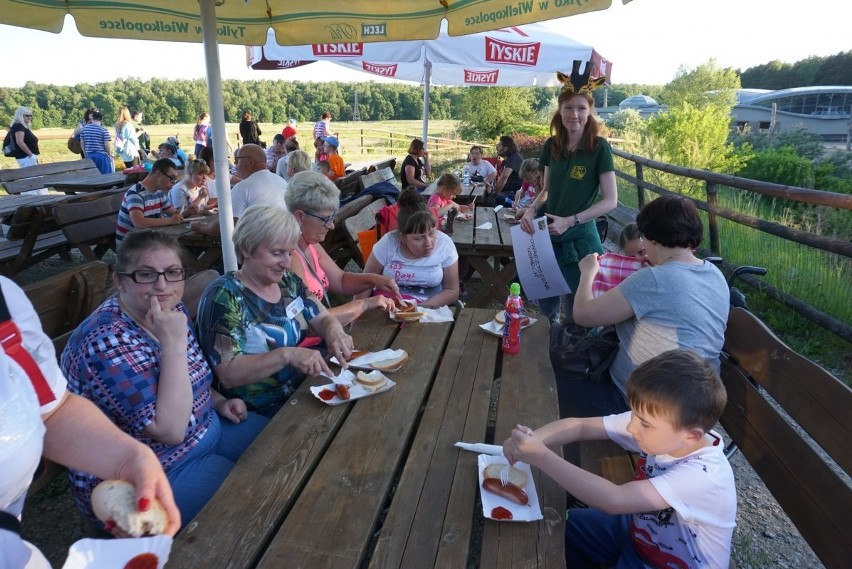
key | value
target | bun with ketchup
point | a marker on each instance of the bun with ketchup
(114, 503)
(406, 310)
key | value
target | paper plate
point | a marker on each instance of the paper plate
(492, 327)
(529, 513)
(115, 553)
(355, 392)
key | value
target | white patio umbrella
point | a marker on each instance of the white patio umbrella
(246, 22)
(516, 56)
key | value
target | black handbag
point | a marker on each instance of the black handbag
(577, 352)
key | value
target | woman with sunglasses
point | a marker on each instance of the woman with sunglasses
(26, 142)
(137, 358)
(313, 199)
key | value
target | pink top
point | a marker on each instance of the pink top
(315, 278)
(614, 268)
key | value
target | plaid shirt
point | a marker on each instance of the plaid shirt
(614, 269)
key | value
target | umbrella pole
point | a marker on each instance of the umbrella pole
(427, 80)
(216, 106)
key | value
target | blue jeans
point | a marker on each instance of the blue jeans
(593, 538)
(205, 467)
(552, 307)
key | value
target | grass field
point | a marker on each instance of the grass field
(361, 142)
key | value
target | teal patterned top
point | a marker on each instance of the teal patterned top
(234, 321)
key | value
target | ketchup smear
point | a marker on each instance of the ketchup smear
(501, 513)
(326, 394)
(143, 561)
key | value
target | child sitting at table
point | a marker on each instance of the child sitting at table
(442, 200)
(324, 168)
(631, 242)
(680, 508)
(531, 176)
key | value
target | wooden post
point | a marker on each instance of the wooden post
(713, 225)
(362, 141)
(640, 191)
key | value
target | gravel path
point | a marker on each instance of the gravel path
(764, 536)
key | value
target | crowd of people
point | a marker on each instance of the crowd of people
(180, 400)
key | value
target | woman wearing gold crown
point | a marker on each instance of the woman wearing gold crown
(577, 162)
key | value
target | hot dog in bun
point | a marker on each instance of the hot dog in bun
(406, 310)
(114, 503)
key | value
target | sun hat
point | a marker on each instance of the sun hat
(331, 141)
(173, 141)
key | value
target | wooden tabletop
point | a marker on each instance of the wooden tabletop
(10, 204)
(479, 244)
(377, 482)
(206, 249)
(94, 182)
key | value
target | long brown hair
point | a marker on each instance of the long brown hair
(589, 140)
(123, 118)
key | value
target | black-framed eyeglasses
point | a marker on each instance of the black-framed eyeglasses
(326, 221)
(28, 116)
(172, 179)
(147, 276)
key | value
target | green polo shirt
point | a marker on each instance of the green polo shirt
(574, 181)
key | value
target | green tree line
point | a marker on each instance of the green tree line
(831, 70)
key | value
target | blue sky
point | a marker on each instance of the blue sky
(647, 40)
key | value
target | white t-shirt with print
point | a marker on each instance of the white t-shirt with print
(418, 278)
(696, 531)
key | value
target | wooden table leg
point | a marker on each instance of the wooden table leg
(496, 282)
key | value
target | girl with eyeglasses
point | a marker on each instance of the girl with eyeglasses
(137, 358)
(26, 142)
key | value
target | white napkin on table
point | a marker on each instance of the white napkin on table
(442, 314)
(481, 448)
(486, 225)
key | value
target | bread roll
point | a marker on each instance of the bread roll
(114, 501)
(372, 381)
(391, 364)
(516, 477)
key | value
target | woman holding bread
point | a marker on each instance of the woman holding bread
(137, 358)
(422, 260)
(312, 199)
(39, 417)
(252, 321)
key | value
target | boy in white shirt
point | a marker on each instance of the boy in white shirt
(680, 508)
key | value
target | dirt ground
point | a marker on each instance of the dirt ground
(764, 536)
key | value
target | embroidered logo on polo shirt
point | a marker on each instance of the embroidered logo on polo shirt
(578, 172)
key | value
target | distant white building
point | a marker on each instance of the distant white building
(825, 111)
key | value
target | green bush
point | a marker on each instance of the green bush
(780, 166)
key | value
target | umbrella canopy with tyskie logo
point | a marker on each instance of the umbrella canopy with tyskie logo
(246, 22)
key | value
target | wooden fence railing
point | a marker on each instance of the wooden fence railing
(712, 182)
(371, 140)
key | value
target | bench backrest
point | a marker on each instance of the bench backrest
(336, 242)
(362, 221)
(810, 490)
(17, 180)
(350, 183)
(64, 300)
(388, 163)
(89, 224)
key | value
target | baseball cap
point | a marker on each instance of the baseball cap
(173, 141)
(331, 141)
(293, 122)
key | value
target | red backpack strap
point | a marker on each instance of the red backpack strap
(12, 342)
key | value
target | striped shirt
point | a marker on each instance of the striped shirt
(151, 204)
(94, 138)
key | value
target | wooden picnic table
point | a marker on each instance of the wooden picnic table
(96, 182)
(480, 244)
(377, 482)
(468, 194)
(206, 249)
(9, 204)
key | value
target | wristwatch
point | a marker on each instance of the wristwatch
(576, 220)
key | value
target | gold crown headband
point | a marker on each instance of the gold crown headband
(580, 83)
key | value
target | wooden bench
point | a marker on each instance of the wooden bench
(336, 242)
(17, 180)
(350, 184)
(89, 224)
(362, 221)
(32, 237)
(769, 385)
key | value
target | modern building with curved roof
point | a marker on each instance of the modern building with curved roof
(824, 110)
